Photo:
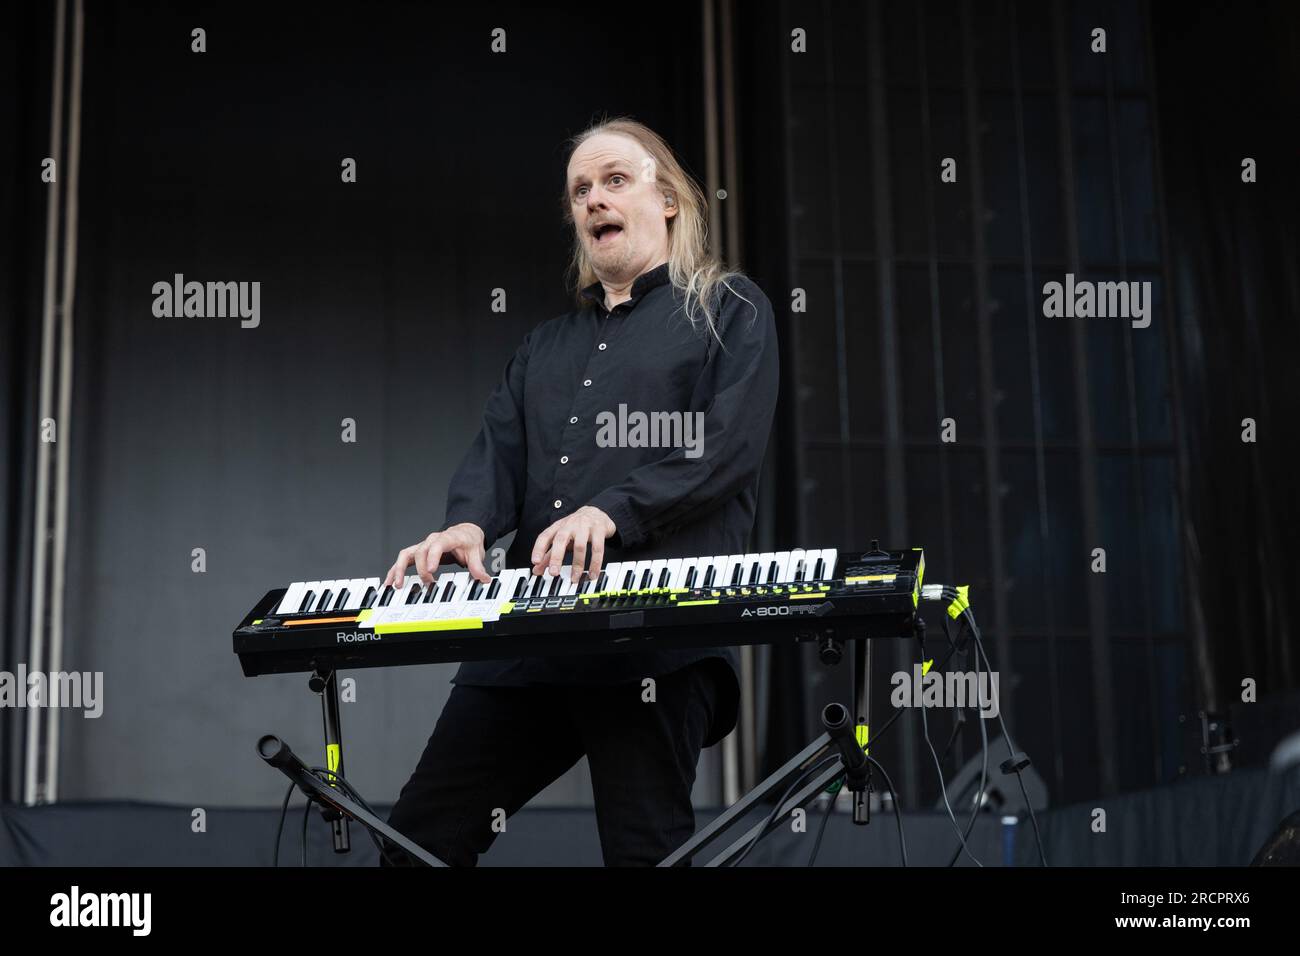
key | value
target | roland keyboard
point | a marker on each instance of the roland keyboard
(711, 601)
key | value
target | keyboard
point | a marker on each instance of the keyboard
(708, 601)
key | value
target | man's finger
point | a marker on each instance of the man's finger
(540, 547)
(474, 563)
(432, 558)
(579, 552)
(398, 569)
(597, 558)
(559, 544)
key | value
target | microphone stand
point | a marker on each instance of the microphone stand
(335, 806)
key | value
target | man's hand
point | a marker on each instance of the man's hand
(464, 542)
(586, 526)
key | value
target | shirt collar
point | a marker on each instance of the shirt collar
(643, 284)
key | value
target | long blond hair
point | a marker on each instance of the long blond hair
(698, 274)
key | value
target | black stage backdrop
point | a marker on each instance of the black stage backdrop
(924, 304)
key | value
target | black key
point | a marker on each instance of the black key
(645, 580)
(556, 582)
(735, 575)
(604, 579)
(386, 597)
(448, 591)
(798, 570)
(369, 599)
(690, 577)
(476, 590)
(324, 603)
(519, 588)
(342, 601)
(663, 579)
(753, 574)
(307, 601)
(771, 573)
(708, 576)
(628, 579)
(431, 591)
(819, 570)
(414, 596)
(494, 588)
(537, 586)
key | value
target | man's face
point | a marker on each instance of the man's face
(618, 210)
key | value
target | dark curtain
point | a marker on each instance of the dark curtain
(1229, 88)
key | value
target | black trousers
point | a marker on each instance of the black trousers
(494, 748)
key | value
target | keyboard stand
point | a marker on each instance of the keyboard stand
(335, 806)
(840, 741)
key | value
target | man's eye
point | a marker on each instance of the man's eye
(618, 176)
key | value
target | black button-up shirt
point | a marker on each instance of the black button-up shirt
(537, 457)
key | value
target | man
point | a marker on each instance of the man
(659, 328)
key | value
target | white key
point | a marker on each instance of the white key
(796, 559)
(530, 581)
(782, 565)
(611, 572)
(352, 585)
(370, 583)
(314, 588)
(344, 584)
(336, 591)
(677, 571)
(411, 582)
(810, 559)
(638, 575)
(523, 583)
(460, 584)
(657, 569)
(508, 578)
(723, 578)
(719, 564)
(547, 578)
(518, 577)
(393, 600)
(570, 586)
(314, 605)
(695, 564)
(565, 576)
(829, 557)
(292, 598)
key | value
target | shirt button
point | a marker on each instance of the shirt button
(558, 502)
(573, 420)
(602, 346)
(564, 459)
(587, 384)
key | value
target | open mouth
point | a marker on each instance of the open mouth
(606, 232)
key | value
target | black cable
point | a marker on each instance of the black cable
(306, 815)
(898, 810)
(958, 714)
(826, 815)
(279, 830)
(984, 770)
(898, 712)
(1006, 736)
(776, 807)
(943, 787)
